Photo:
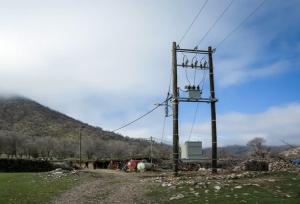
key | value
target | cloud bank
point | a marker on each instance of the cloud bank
(275, 124)
(106, 62)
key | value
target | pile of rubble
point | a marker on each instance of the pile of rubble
(291, 153)
(281, 165)
(201, 181)
(252, 165)
(59, 172)
(266, 165)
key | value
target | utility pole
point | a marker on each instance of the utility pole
(175, 111)
(151, 155)
(213, 112)
(195, 95)
(80, 145)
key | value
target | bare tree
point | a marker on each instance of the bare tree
(11, 142)
(89, 147)
(66, 147)
(31, 147)
(46, 146)
(257, 147)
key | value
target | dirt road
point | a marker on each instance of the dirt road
(107, 186)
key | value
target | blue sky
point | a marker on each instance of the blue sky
(107, 62)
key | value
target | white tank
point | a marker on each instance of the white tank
(143, 166)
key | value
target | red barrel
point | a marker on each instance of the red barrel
(132, 164)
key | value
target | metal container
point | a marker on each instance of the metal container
(132, 164)
(143, 166)
(191, 150)
(194, 94)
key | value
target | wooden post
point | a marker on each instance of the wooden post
(175, 111)
(213, 113)
(80, 134)
(80, 146)
(151, 149)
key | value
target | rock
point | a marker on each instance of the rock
(178, 196)
(291, 153)
(271, 180)
(280, 165)
(238, 187)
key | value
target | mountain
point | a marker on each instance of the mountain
(29, 117)
(242, 152)
(22, 117)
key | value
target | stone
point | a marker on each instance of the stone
(178, 196)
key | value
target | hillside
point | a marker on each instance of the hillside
(22, 117)
(29, 117)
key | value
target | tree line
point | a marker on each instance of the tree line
(17, 145)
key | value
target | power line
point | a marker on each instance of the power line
(163, 130)
(150, 111)
(164, 141)
(197, 107)
(241, 23)
(194, 20)
(145, 114)
(225, 38)
(194, 120)
(216, 21)
(166, 104)
(203, 80)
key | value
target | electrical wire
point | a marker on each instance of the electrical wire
(163, 130)
(203, 79)
(194, 20)
(195, 75)
(186, 76)
(165, 117)
(197, 107)
(195, 70)
(140, 117)
(194, 120)
(164, 141)
(241, 23)
(216, 21)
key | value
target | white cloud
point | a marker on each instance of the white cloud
(241, 72)
(275, 124)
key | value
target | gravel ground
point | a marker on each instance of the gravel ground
(108, 186)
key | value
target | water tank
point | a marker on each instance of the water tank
(143, 166)
(191, 150)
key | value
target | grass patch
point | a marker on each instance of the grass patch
(33, 188)
(269, 188)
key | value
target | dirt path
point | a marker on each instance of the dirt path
(107, 187)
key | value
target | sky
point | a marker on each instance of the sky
(108, 62)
